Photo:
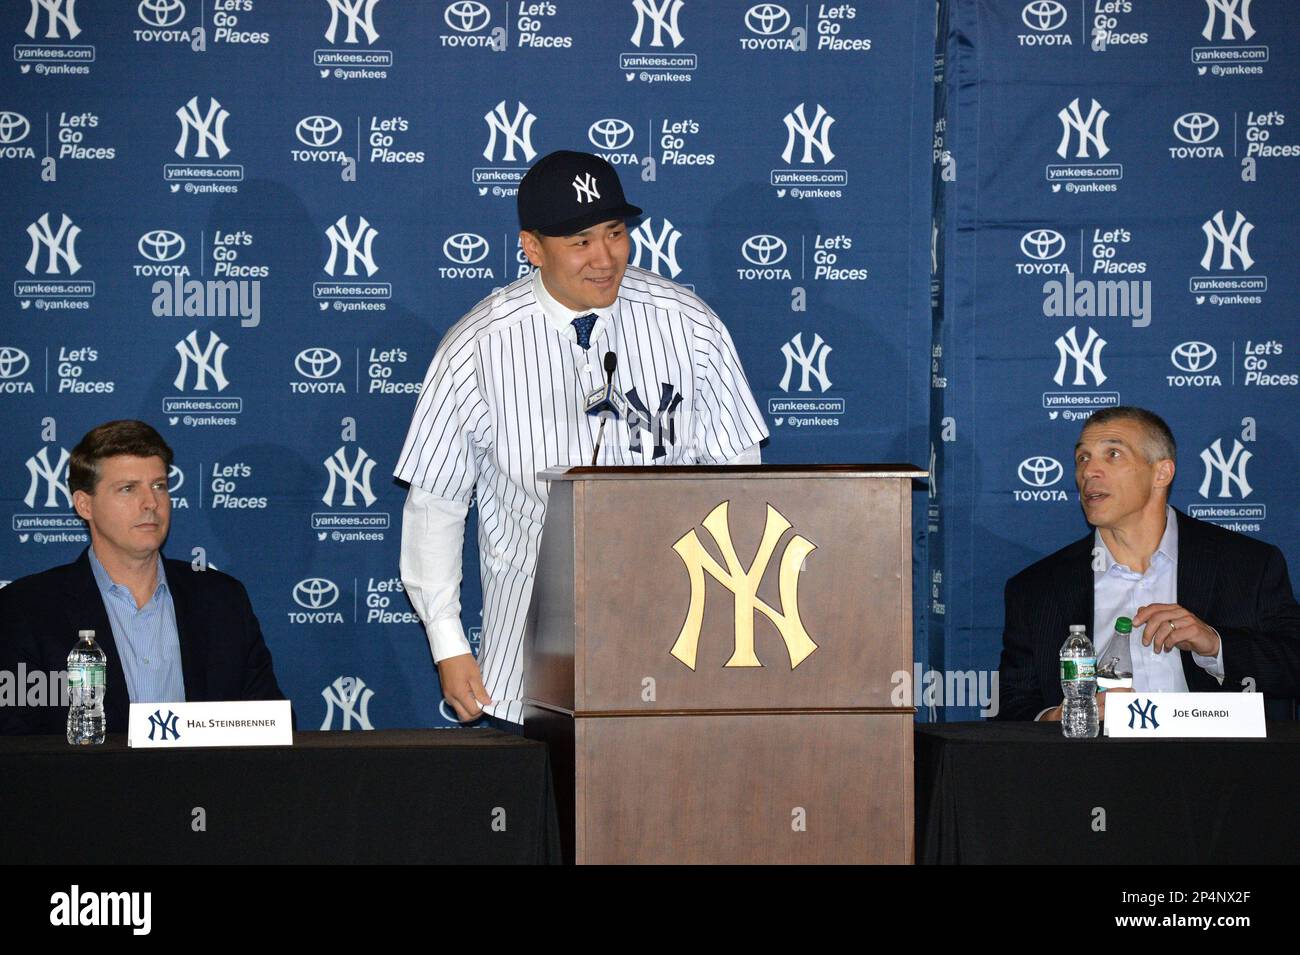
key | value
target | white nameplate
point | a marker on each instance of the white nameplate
(237, 723)
(1184, 715)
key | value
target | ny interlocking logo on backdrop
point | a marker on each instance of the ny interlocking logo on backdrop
(1230, 470)
(60, 246)
(351, 22)
(516, 133)
(1086, 357)
(52, 476)
(354, 478)
(1231, 14)
(58, 14)
(357, 243)
(1089, 131)
(1233, 243)
(656, 252)
(57, 249)
(50, 57)
(208, 361)
(1227, 249)
(357, 15)
(814, 135)
(1229, 22)
(807, 142)
(661, 16)
(351, 253)
(811, 363)
(209, 128)
(352, 697)
(1226, 482)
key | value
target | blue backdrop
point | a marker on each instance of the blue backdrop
(251, 222)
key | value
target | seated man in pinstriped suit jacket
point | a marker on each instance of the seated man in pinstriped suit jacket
(1212, 609)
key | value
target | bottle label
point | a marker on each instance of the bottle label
(1078, 668)
(85, 676)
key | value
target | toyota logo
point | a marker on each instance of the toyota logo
(161, 13)
(1194, 128)
(161, 245)
(610, 133)
(1043, 15)
(467, 16)
(318, 131)
(465, 248)
(763, 250)
(1042, 244)
(317, 363)
(767, 18)
(13, 127)
(315, 593)
(1192, 357)
(175, 478)
(13, 362)
(1040, 471)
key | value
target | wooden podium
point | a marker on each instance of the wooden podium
(710, 652)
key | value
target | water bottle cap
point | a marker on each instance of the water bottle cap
(1078, 628)
(82, 634)
(1123, 625)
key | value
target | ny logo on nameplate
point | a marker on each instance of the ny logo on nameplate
(236, 723)
(1184, 715)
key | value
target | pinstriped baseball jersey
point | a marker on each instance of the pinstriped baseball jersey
(504, 399)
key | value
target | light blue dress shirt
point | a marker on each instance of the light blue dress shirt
(1119, 591)
(148, 643)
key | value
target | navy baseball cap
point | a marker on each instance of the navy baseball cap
(566, 192)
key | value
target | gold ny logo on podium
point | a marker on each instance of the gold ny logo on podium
(743, 585)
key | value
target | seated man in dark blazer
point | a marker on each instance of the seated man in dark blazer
(170, 632)
(1211, 609)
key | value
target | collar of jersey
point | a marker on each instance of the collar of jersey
(561, 318)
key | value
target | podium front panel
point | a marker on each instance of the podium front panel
(733, 788)
(759, 594)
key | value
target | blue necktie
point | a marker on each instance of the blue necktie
(584, 324)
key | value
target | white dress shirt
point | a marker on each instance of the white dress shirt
(1118, 591)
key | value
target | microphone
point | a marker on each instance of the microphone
(607, 398)
(604, 400)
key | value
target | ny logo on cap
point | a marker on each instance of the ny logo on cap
(585, 187)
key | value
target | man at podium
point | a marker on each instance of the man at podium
(587, 360)
(1211, 609)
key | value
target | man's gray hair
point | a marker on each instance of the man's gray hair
(1157, 440)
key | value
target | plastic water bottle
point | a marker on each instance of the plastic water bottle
(87, 668)
(1079, 684)
(1115, 663)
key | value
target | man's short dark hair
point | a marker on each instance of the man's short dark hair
(1158, 441)
(134, 438)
